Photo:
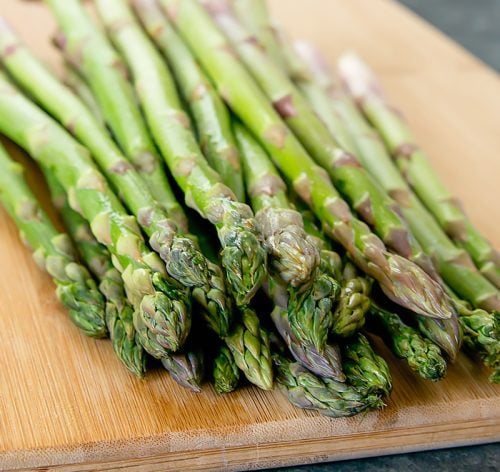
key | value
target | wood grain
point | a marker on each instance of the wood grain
(65, 401)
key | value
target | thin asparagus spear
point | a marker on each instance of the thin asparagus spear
(225, 371)
(421, 355)
(242, 254)
(161, 304)
(209, 113)
(77, 84)
(329, 397)
(52, 251)
(249, 344)
(350, 178)
(183, 260)
(119, 312)
(364, 368)
(415, 167)
(401, 280)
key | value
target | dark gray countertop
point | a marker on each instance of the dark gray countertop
(476, 25)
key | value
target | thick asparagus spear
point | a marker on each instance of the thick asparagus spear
(161, 304)
(242, 254)
(210, 115)
(186, 368)
(184, 261)
(422, 355)
(119, 312)
(350, 178)
(52, 250)
(225, 371)
(401, 280)
(249, 344)
(331, 398)
(364, 368)
(416, 168)
(325, 364)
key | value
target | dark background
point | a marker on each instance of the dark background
(475, 24)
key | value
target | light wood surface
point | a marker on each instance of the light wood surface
(66, 402)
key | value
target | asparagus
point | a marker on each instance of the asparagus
(225, 371)
(363, 193)
(453, 264)
(161, 305)
(325, 364)
(119, 312)
(414, 165)
(249, 344)
(210, 115)
(401, 280)
(331, 398)
(186, 368)
(421, 355)
(52, 250)
(364, 368)
(242, 255)
(184, 261)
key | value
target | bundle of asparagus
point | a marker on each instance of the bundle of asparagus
(211, 94)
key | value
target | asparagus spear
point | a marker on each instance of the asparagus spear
(414, 165)
(331, 398)
(242, 255)
(209, 113)
(184, 261)
(225, 371)
(325, 364)
(249, 344)
(421, 355)
(186, 368)
(402, 281)
(161, 304)
(119, 312)
(363, 193)
(364, 368)
(52, 250)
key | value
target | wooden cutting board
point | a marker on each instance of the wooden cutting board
(66, 402)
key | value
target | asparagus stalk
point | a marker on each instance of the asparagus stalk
(225, 371)
(325, 364)
(210, 115)
(421, 355)
(186, 368)
(331, 398)
(364, 368)
(184, 261)
(249, 344)
(414, 165)
(52, 250)
(401, 280)
(161, 304)
(119, 312)
(242, 255)
(363, 193)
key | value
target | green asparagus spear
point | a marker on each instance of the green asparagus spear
(292, 254)
(364, 368)
(414, 165)
(119, 312)
(249, 344)
(186, 368)
(210, 115)
(422, 355)
(242, 254)
(184, 262)
(350, 178)
(52, 250)
(401, 280)
(225, 371)
(160, 303)
(331, 398)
